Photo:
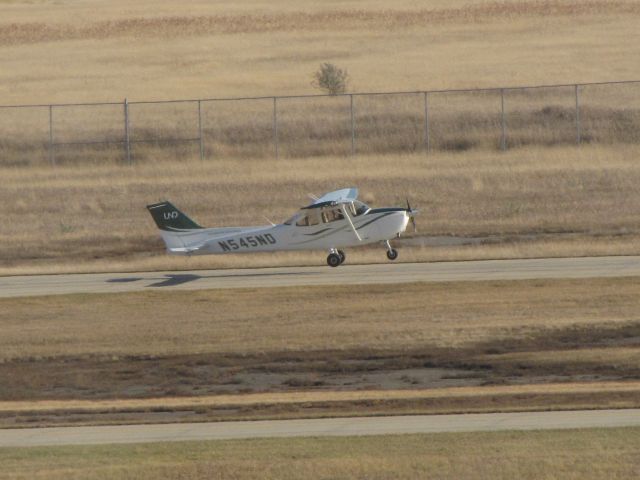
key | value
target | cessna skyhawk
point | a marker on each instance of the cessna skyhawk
(334, 221)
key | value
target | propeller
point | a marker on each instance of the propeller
(412, 213)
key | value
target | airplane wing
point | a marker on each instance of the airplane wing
(344, 195)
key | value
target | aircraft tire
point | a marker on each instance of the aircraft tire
(333, 260)
(342, 255)
(392, 254)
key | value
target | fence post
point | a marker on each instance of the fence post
(578, 134)
(127, 145)
(426, 122)
(503, 141)
(200, 130)
(353, 127)
(52, 159)
(275, 126)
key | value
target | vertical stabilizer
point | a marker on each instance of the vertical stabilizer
(170, 219)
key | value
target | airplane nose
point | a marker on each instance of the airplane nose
(411, 214)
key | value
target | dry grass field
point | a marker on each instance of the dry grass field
(530, 202)
(571, 455)
(545, 339)
(81, 50)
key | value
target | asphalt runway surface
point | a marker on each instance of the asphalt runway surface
(543, 268)
(326, 427)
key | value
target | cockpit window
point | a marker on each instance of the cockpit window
(311, 217)
(332, 214)
(308, 220)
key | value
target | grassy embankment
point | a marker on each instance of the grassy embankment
(270, 353)
(572, 455)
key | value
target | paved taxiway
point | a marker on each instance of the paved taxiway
(326, 427)
(542, 268)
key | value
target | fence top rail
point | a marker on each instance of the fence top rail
(47, 105)
(354, 94)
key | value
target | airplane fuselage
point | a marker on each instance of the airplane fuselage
(375, 225)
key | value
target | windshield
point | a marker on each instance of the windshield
(359, 208)
(293, 219)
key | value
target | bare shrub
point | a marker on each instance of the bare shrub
(331, 79)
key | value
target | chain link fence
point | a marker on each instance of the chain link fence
(297, 126)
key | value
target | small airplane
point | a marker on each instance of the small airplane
(334, 221)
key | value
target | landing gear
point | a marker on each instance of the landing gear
(333, 260)
(391, 253)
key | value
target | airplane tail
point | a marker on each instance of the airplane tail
(169, 219)
(180, 234)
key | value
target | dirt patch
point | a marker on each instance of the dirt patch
(195, 375)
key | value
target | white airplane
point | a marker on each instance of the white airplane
(334, 221)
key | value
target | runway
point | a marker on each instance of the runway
(326, 427)
(543, 268)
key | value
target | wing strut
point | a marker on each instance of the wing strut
(346, 215)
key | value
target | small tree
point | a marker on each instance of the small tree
(331, 79)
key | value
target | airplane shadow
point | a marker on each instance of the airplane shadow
(179, 279)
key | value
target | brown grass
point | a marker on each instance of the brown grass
(535, 202)
(328, 20)
(296, 319)
(311, 396)
(84, 51)
(577, 454)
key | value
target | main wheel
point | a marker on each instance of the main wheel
(392, 254)
(342, 256)
(333, 260)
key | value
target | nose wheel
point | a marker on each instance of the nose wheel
(392, 254)
(336, 258)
